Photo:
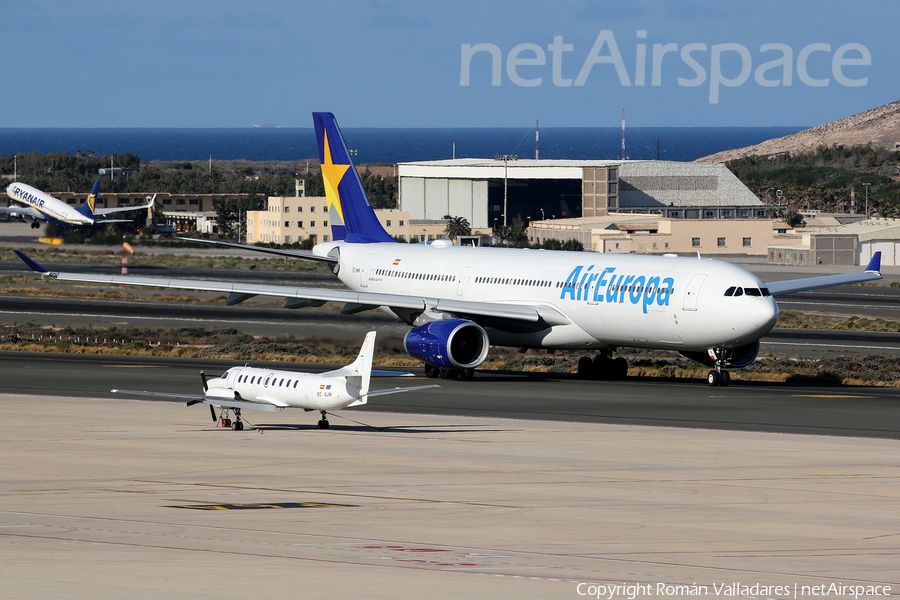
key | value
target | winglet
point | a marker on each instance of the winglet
(31, 264)
(875, 263)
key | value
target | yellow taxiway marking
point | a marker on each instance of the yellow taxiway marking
(829, 396)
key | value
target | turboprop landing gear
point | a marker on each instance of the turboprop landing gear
(602, 366)
(719, 375)
(323, 423)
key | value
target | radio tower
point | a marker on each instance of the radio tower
(623, 134)
(536, 132)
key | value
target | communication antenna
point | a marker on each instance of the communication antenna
(623, 134)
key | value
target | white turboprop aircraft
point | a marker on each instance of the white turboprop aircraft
(30, 202)
(273, 390)
(460, 300)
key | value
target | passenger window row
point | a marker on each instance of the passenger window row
(254, 380)
(417, 276)
(512, 281)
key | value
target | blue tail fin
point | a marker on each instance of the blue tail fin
(87, 209)
(351, 215)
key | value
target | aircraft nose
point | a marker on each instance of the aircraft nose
(764, 314)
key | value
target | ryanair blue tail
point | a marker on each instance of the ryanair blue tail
(351, 215)
(87, 209)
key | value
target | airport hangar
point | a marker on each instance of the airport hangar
(566, 199)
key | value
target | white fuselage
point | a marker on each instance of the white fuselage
(41, 205)
(287, 389)
(611, 300)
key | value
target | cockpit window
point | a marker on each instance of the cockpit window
(738, 292)
(752, 292)
(730, 291)
(765, 291)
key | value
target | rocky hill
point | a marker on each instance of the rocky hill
(879, 126)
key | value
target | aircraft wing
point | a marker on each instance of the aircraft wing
(197, 398)
(107, 211)
(113, 221)
(354, 300)
(21, 211)
(871, 273)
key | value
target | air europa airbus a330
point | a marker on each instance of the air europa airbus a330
(460, 300)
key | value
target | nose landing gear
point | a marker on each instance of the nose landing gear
(719, 375)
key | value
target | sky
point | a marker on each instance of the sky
(404, 63)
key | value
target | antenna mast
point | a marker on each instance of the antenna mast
(536, 136)
(623, 134)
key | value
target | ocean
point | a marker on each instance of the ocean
(391, 145)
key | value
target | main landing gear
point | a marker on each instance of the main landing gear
(719, 375)
(434, 372)
(236, 425)
(323, 423)
(602, 366)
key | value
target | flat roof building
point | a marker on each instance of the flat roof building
(491, 192)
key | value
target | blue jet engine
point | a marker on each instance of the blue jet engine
(448, 344)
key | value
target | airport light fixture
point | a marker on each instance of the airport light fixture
(505, 158)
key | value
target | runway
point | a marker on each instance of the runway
(744, 406)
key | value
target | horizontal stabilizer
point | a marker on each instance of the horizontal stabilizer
(373, 393)
(277, 251)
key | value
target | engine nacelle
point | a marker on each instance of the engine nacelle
(741, 356)
(451, 343)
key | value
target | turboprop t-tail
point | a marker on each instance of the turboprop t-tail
(460, 300)
(273, 390)
(28, 202)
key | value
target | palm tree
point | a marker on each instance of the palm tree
(457, 226)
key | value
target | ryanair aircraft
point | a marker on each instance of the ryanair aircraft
(460, 300)
(32, 203)
(273, 390)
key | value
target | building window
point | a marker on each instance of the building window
(299, 209)
(695, 242)
(720, 242)
(167, 201)
(747, 242)
(326, 238)
(324, 223)
(195, 201)
(654, 245)
(300, 224)
(287, 239)
(744, 214)
(287, 209)
(287, 223)
(312, 209)
(666, 246)
(312, 223)
(388, 223)
(324, 209)
(709, 214)
(401, 223)
(726, 214)
(180, 201)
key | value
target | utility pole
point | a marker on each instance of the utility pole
(867, 198)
